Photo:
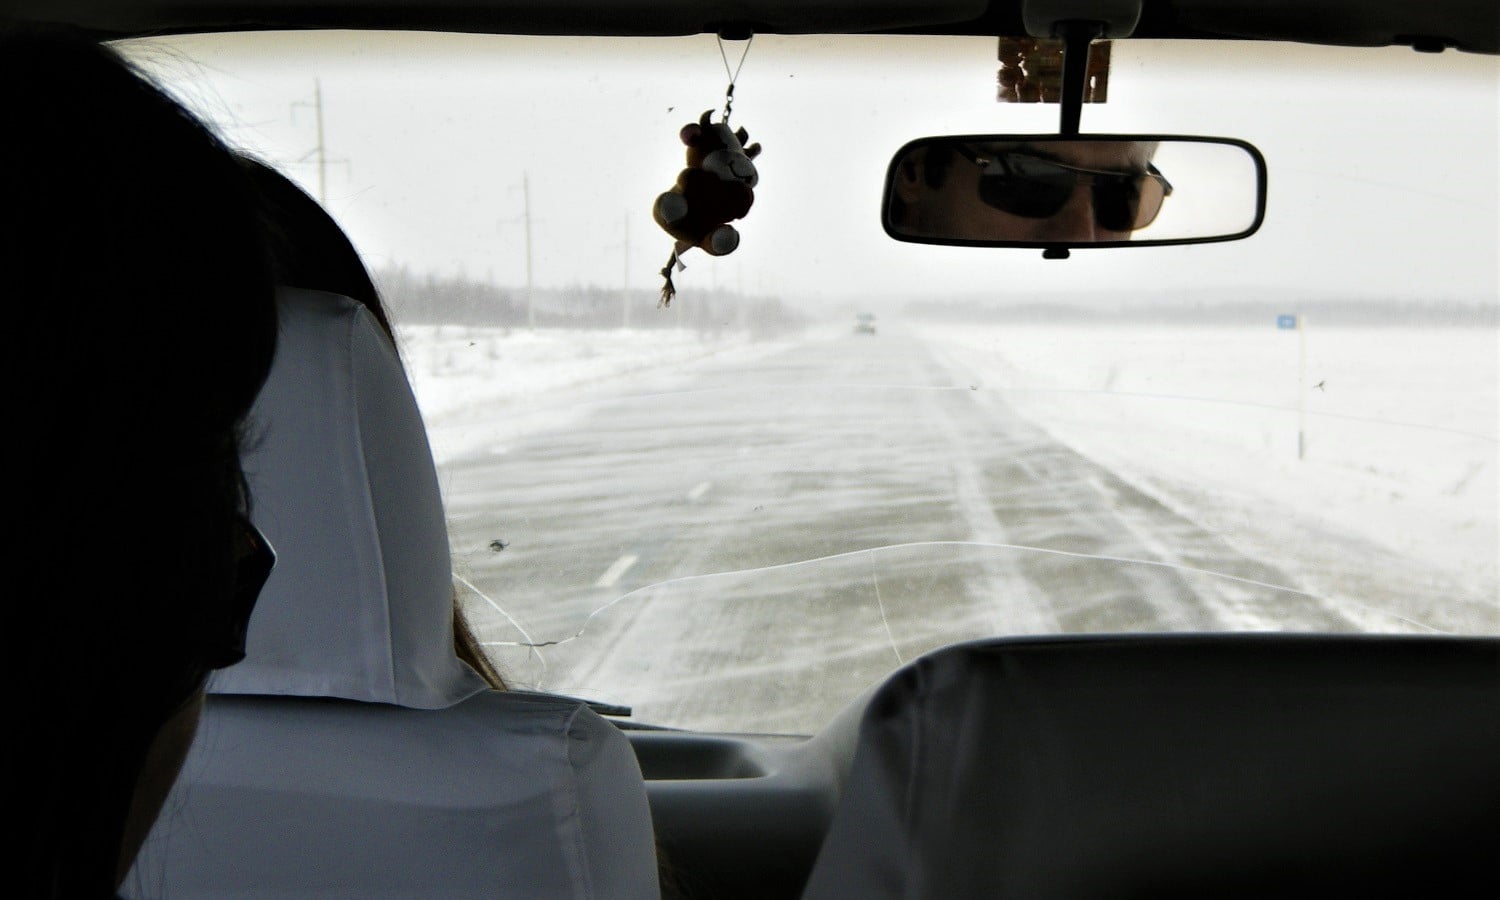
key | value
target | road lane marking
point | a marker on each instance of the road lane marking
(699, 490)
(618, 568)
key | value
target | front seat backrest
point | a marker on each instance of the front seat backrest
(352, 754)
(342, 484)
(1176, 766)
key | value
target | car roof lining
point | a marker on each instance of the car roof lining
(1472, 25)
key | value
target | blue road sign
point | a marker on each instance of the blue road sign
(1286, 321)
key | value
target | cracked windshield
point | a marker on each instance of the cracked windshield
(832, 451)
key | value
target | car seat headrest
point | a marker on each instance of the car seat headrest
(342, 483)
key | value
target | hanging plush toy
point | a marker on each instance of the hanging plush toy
(716, 188)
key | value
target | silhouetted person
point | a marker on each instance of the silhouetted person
(142, 324)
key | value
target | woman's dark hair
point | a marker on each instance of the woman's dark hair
(143, 322)
(308, 248)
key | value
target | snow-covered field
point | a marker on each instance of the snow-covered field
(538, 379)
(1400, 429)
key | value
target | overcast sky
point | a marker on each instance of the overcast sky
(1383, 164)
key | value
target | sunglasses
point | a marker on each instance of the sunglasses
(1035, 188)
(253, 561)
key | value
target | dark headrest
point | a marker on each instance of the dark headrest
(1176, 766)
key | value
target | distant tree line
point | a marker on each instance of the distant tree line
(1210, 310)
(426, 298)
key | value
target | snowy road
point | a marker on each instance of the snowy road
(822, 451)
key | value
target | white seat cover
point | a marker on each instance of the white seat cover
(508, 794)
(342, 483)
(352, 754)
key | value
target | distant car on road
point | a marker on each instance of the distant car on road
(864, 323)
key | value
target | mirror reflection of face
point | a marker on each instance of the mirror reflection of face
(1070, 192)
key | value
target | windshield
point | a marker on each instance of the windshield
(833, 452)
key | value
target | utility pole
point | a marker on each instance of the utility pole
(525, 219)
(526, 211)
(322, 157)
(625, 279)
(742, 316)
(319, 153)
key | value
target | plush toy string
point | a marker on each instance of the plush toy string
(668, 289)
(733, 76)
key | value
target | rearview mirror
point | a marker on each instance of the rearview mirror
(1095, 190)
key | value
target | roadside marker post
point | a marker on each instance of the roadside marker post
(1301, 387)
(1299, 323)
